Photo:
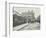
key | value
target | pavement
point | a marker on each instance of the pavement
(27, 26)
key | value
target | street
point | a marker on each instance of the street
(27, 26)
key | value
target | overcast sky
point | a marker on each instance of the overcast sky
(22, 10)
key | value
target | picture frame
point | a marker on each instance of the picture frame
(9, 17)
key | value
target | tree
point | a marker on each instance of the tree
(38, 19)
(29, 16)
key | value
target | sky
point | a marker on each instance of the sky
(21, 10)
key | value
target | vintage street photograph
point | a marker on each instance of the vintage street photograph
(26, 18)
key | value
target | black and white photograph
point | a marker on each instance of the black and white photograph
(26, 18)
(23, 18)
